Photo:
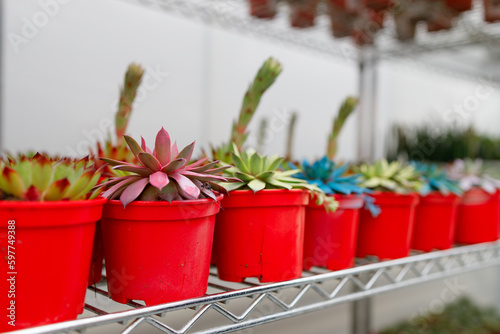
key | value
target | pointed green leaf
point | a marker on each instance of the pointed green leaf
(256, 185)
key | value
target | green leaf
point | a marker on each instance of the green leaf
(265, 175)
(255, 164)
(256, 185)
(244, 176)
(279, 184)
(238, 163)
(231, 186)
(149, 161)
(274, 163)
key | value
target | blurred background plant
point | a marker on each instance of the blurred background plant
(426, 143)
(460, 317)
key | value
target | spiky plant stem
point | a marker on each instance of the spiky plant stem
(263, 80)
(345, 110)
(133, 79)
(289, 139)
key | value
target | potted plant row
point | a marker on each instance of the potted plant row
(260, 231)
(330, 236)
(479, 210)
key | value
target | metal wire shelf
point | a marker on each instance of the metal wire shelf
(469, 29)
(237, 302)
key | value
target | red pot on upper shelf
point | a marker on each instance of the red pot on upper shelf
(303, 13)
(435, 221)
(478, 217)
(51, 248)
(330, 237)
(387, 236)
(263, 9)
(459, 5)
(158, 252)
(491, 11)
(261, 235)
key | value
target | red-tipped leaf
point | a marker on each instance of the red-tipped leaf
(149, 161)
(186, 152)
(133, 191)
(186, 187)
(162, 147)
(158, 180)
(173, 165)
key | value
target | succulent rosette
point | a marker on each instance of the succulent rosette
(40, 177)
(392, 177)
(164, 174)
(336, 179)
(471, 173)
(260, 172)
(435, 179)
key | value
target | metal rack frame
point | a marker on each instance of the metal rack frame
(469, 29)
(316, 290)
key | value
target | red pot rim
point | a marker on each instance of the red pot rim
(52, 214)
(394, 199)
(478, 196)
(353, 201)
(51, 204)
(165, 203)
(266, 197)
(237, 191)
(436, 197)
(162, 211)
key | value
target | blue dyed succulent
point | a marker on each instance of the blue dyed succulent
(435, 178)
(335, 179)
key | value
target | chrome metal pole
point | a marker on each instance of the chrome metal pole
(369, 145)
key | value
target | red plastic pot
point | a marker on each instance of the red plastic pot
(491, 11)
(435, 222)
(330, 237)
(478, 217)
(158, 252)
(261, 235)
(52, 249)
(264, 9)
(95, 274)
(387, 236)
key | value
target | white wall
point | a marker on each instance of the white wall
(61, 82)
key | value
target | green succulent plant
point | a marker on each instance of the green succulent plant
(394, 177)
(265, 77)
(163, 174)
(42, 178)
(262, 172)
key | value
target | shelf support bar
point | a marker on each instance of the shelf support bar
(368, 141)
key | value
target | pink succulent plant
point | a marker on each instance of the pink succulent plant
(164, 174)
